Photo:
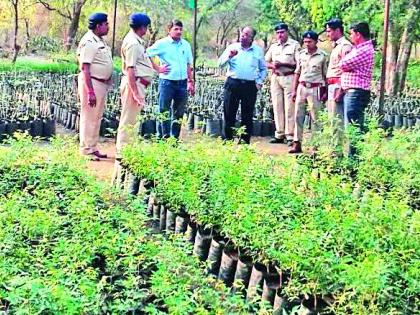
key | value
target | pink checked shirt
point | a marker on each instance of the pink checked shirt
(357, 67)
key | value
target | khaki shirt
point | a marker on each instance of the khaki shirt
(284, 53)
(134, 55)
(94, 51)
(312, 68)
(341, 48)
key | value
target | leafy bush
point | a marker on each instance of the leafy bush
(69, 245)
(332, 232)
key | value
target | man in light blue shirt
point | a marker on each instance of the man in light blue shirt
(246, 73)
(176, 82)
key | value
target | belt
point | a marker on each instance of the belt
(143, 81)
(100, 80)
(309, 84)
(285, 74)
(356, 89)
(242, 81)
(333, 80)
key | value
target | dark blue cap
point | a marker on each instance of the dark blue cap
(281, 26)
(138, 19)
(310, 34)
(334, 23)
(97, 18)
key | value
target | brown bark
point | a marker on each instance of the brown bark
(73, 16)
(403, 58)
(16, 47)
(406, 45)
(28, 36)
(391, 79)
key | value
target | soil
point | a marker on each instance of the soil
(104, 168)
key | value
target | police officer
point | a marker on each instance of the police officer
(341, 47)
(281, 58)
(138, 71)
(95, 64)
(308, 85)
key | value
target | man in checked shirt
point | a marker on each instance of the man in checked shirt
(356, 77)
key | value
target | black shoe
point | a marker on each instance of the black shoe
(277, 140)
(289, 142)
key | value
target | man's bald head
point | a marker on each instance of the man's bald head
(247, 36)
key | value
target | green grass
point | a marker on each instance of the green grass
(57, 63)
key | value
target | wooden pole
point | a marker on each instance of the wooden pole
(114, 27)
(384, 56)
(195, 38)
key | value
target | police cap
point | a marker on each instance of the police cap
(281, 26)
(334, 24)
(310, 34)
(97, 18)
(138, 19)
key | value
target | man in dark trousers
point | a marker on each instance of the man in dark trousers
(246, 73)
(356, 78)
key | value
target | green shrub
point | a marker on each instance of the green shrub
(352, 237)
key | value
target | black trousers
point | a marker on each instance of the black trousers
(243, 92)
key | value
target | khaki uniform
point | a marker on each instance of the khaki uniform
(341, 48)
(281, 86)
(312, 70)
(94, 51)
(133, 55)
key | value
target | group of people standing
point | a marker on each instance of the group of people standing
(138, 70)
(301, 79)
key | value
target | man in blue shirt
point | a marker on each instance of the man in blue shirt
(246, 73)
(174, 84)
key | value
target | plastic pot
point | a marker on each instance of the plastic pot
(215, 255)
(68, 120)
(150, 205)
(48, 128)
(36, 128)
(170, 221)
(181, 222)
(228, 265)
(411, 122)
(243, 271)
(398, 121)
(405, 121)
(148, 128)
(266, 129)
(162, 221)
(272, 282)
(198, 122)
(133, 184)
(257, 128)
(202, 243)
(190, 121)
(2, 130)
(191, 232)
(77, 124)
(102, 128)
(213, 127)
(314, 304)
(24, 126)
(256, 280)
(11, 128)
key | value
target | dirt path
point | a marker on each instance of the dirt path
(103, 169)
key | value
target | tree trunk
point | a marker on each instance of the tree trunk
(28, 36)
(406, 44)
(402, 66)
(16, 47)
(74, 24)
(391, 79)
